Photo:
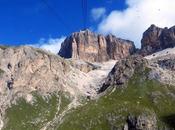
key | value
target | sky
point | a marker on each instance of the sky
(46, 23)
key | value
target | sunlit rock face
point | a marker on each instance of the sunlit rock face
(24, 70)
(89, 46)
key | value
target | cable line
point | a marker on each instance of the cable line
(60, 20)
(84, 13)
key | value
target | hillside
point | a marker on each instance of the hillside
(141, 102)
(102, 85)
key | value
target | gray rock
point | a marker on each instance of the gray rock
(24, 70)
(142, 122)
(124, 70)
(84, 66)
(167, 64)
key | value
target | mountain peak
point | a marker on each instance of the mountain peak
(89, 46)
(156, 39)
(85, 30)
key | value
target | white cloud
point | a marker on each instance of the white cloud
(140, 14)
(98, 13)
(52, 45)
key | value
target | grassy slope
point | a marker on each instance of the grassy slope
(24, 116)
(108, 111)
(111, 110)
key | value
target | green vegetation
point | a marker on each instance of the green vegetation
(111, 110)
(141, 96)
(1, 71)
(26, 116)
(3, 47)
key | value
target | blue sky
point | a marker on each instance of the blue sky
(31, 22)
(28, 21)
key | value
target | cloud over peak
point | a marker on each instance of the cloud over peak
(140, 14)
(52, 44)
(97, 13)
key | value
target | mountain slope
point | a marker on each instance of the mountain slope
(147, 101)
(141, 102)
(42, 91)
(31, 79)
(26, 70)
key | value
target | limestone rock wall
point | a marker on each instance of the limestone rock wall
(156, 39)
(89, 46)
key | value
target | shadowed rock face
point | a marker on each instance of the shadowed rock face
(156, 39)
(142, 122)
(88, 46)
(124, 70)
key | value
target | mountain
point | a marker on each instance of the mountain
(138, 94)
(156, 39)
(89, 46)
(29, 69)
(99, 83)
(36, 79)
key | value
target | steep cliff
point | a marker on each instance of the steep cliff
(26, 70)
(156, 39)
(124, 70)
(89, 46)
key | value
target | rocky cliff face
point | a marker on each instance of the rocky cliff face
(156, 39)
(124, 70)
(142, 122)
(88, 46)
(163, 66)
(24, 70)
(140, 95)
(29, 69)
